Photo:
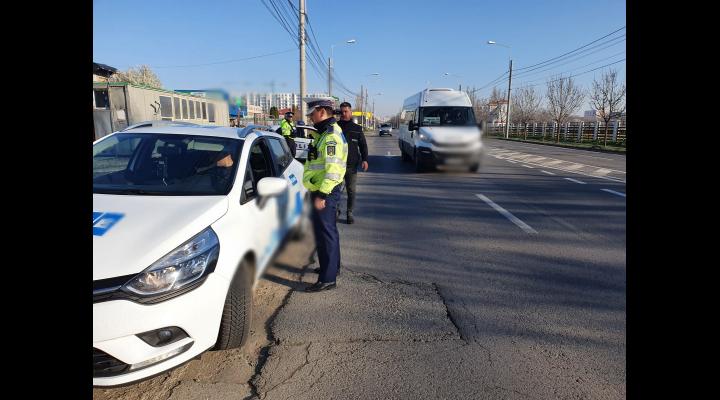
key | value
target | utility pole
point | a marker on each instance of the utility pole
(301, 33)
(330, 74)
(362, 108)
(366, 103)
(507, 118)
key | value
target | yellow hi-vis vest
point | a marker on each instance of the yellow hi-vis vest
(327, 170)
(286, 127)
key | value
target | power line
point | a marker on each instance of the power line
(570, 52)
(579, 54)
(492, 82)
(572, 76)
(574, 69)
(225, 62)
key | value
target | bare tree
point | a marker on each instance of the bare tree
(608, 98)
(526, 103)
(141, 75)
(564, 98)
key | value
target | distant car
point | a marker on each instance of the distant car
(185, 220)
(385, 129)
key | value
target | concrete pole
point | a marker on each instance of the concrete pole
(301, 34)
(507, 118)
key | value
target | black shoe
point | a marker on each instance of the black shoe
(320, 286)
(350, 218)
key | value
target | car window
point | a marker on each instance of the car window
(164, 164)
(281, 154)
(260, 162)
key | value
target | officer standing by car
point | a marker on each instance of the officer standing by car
(286, 129)
(324, 171)
(357, 152)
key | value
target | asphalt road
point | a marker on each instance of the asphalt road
(508, 283)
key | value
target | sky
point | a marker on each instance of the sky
(410, 44)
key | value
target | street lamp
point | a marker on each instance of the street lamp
(507, 118)
(330, 65)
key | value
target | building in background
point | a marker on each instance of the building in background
(116, 105)
(280, 100)
(102, 72)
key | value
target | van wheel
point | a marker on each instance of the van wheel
(403, 155)
(418, 165)
(475, 167)
(235, 322)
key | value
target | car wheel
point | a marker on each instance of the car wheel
(475, 167)
(235, 322)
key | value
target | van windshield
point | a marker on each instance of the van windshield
(447, 116)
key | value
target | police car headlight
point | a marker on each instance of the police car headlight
(180, 268)
(425, 137)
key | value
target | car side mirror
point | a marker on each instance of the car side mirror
(412, 126)
(270, 187)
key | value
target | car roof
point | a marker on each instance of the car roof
(202, 130)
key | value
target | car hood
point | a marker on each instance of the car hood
(132, 232)
(452, 134)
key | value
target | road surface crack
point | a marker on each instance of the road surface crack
(449, 315)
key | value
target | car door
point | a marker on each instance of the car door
(290, 204)
(263, 213)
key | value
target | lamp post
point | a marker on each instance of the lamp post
(507, 118)
(330, 65)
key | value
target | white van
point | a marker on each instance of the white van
(438, 127)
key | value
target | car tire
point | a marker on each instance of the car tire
(403, 155)
(475, 167)
(419, 167)
(236, 315)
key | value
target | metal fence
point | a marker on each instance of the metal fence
(578, 132)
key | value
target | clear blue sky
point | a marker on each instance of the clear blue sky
(410, 43)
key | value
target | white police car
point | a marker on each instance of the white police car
(185, 220)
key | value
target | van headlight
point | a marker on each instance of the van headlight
(178, 269)
(425, 137)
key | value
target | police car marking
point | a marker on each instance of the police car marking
(102, 222)
(293, 179)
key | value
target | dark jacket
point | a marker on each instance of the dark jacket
(357, 146)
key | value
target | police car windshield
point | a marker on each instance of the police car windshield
(447, 116)
(162, 164)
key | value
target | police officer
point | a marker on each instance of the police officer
(286, 129)
(324, 172)
(357, 155)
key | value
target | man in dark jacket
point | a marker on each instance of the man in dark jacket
(357, 155)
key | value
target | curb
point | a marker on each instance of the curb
(561, 145)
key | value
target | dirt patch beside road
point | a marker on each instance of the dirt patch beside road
(225, 374)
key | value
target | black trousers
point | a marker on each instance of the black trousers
(327, 237)
(349, 186)
(291, 143)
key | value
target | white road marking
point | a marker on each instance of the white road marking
(549, 173)
(576, 181)
(525, 227)
(554, 165)
(614, 192)
(527, 166)
(514, 162)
